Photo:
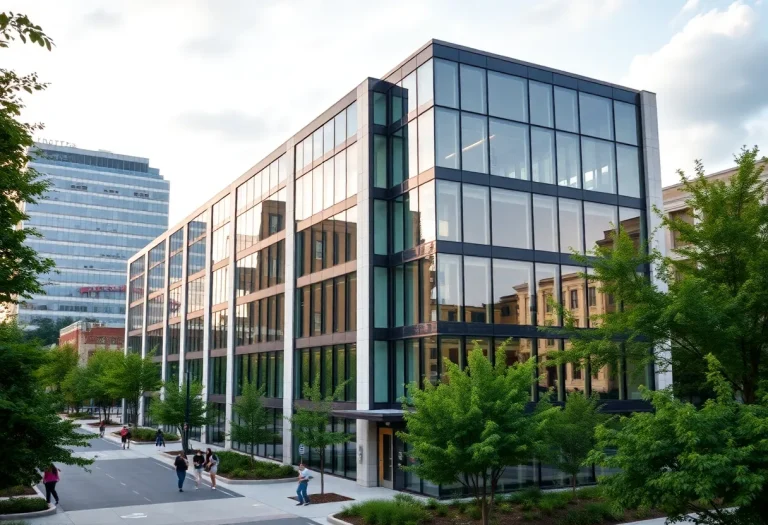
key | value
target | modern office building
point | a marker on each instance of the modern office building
(101, 209)
(425, 210)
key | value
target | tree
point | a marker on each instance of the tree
(75, 388)
(59, 362)
(46, 330)
(683, 460)
(20, 265)
(570, 434)
(129, 378)
(96, 372)
(252, 422)
(171, 409)
(717, 301)
(470, 428)
(311, 420)
(33, 436)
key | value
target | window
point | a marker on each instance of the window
(380, 161)
(509, 149)
(574, 299)
(568, 160)
(541, 103)
(409, 89)
(448, 211)
(473, 89)
(380, 231)
(447, 138)
(599, 225)
(511, 218)
(426, 140)
(427, 212)
(474, 139)
(380, 297)
(340, 128)
(548, 293)
(317, 190)
(599, 165)
(596, 116)
(317, 144)
(476, 214)
(477, 290)
(193, 341)
(446, 83)
(340, 177)
(545, 223)
(352, 120)
(195, 294)
(628, 168)
(566, 110)
(507, 96)
(542, 155)
(511, 292)
(570, 226)
(626, 122)
(380, 109)
(220, 285)
(425, 83)
(449, 287)
(351, 170)
(592, 296)
(219, 329)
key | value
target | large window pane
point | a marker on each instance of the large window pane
(425, 84)
(340, 178)
(328, 141)
(626, 122)
(509, 149)
(317, 190)
(380, 161)
(411, 222)
(449, 282)
(451, 350)
(411, 293)
(380, 232)
(413, 148)
(507, 96)
(599, 165)
(570, 226)
(599, 225)
(543, 155)
(381, 372)
(427, 212)
(544, 223)
(511, 218)
(426, 141)
(340, 128)
(380, 297)
(448, 211)
(547, 292)
(573, 296)
(476, 217)
(447, 138)
(473, 89)
(628, 168)
(317, 144)
(596, 116)
(474, 139)
(446, 83)
(351, 121)
(568, 160)
(351, 170)
(477, 290)
(541, 103)
(409, 91)
(511, 291)
(566, 110)
(328, 184)
(428, 290)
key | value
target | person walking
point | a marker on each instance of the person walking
(50, 478)
(301, 490)
(102, 428)
(181, 465)
(198, 461)
(128, 436)
(124, 435)
(211, 466)
(159, 438)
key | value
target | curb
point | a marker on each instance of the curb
(333, 520)
(50, 511)
(253, 481)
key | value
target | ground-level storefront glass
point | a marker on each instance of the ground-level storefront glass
(340, 460)
(272, 450)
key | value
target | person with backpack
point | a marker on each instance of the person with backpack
(211, 466)
(181, 465)
(50, 478)
(128, 436)
(124, 435)
(159, 438)
(102, 428)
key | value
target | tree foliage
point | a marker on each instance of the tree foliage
(252, 422)
(32, 436)
(681, 459)
(311, 420)
(76, 387)
(45, 330)
(20, 265)
(470, 428)
(130, 377)
(171, 408)
(96, 371)
(58, 363)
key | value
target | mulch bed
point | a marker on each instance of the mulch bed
(172, 453)
(17, 491)
(328, 497)
(109, 424)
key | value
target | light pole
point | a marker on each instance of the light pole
(186, 414)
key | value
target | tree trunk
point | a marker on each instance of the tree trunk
(322, 471)
(573, 483)
(484, 503)
(251, 454)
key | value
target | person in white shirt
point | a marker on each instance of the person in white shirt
(301, 491)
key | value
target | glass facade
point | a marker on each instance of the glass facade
(482, 178)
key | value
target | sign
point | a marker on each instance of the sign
(112, 288)
(57, 143)
(302, 449)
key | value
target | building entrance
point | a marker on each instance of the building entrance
(386, 457)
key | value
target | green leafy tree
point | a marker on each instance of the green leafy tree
(130, 377)
(252, 423)
(171, 409)
(20, 265)
(570, 434)
(311, 420)
(75, 387)
(33, 436)
(59, 362)
(471, 427)
(96, 372)
(46, 330)
(711, 461)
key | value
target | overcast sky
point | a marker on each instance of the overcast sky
(205, 89)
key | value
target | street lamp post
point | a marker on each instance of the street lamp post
(186, 414)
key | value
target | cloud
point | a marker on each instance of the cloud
(690, 5)
(710, 81)
(103, 19)
(576, 14)
(230, 124)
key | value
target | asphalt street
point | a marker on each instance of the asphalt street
(121, 478)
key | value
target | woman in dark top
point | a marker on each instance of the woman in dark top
(181, 465)
(198, 461)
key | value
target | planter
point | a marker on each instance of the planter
(50, 511)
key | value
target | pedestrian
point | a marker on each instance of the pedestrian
(102, 428)
(128, 436)
(181, 465)
(301, 490)
(50, 478)
(211, 466)
(198, 461)
(124, 435)
(159, 438)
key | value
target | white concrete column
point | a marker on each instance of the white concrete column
(166, 297)
(183, 305)
(230, 319)
(145, 311)
(289, 301)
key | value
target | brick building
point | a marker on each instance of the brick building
(89, 336)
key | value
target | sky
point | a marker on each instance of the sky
(207, 88)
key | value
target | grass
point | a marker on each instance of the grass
(21, 505)
(238, 466)
(81, 415)
(399, 511)
(16, 491)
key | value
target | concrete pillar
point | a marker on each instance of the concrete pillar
(289, 301)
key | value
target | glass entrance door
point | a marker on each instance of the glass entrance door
(386, 457)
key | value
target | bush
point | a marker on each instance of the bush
(527, 498)
(81, 415)
(21, 505)
(238, 466)
(475, 512)
(590, 514)
(554, 500)
(399, 511)
(148, 435)
(17, 491)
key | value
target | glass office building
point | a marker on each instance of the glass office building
(424, 212)
(100, 210)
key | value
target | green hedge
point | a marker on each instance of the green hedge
(402, 510)
(238, 466)
(147, 435)
(21, 505)
(81, 415)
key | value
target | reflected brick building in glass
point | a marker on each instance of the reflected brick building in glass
(423, 211)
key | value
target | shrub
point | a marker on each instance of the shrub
(398, 511)
(21, 505)
(475, 512)
(530, 515)
(554, 500)
(527, 497)
(432, 503)
(504, 507)
(238, 466)
(16, 491)
(590, 514)
(595, 492)
(81, 415)
(148, 434)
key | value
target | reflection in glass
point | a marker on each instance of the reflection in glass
(449, 283)
(566, 110)
(426, 141)
(628, 168)
(477, 290)
(447, 138)
(328, 184)
(626, 122)
(573, 296)
(474, 139)
(543, 155)
(511, 218)
(448, 211)
(596, 116)
(599, 165)
(351, 170)
(428, 289)
(431, 359)
(409, 91)
(549, 372)
(568, 160)
(473, 89)
(450, 349)
(541, 103)
(446, 83)
(476, 214)
(599, 225)
(317, 144)
(351, 121)
(509, 149)
(427, 212)
(339, 178)
(545, 223)
(547, 294)
(507, 96)
(380, 161)
(512, 292)
(630, 221)
(425, 87)
(570, 226)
